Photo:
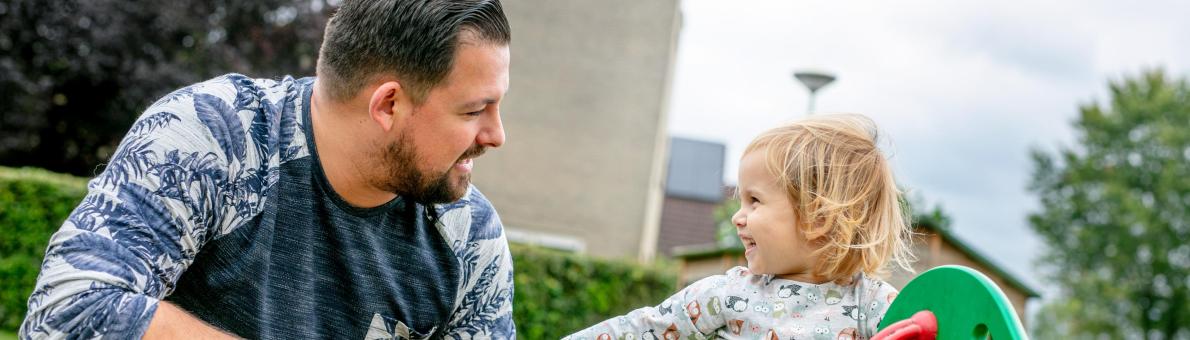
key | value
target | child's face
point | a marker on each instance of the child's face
(766, 224)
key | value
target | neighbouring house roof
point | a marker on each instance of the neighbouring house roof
(695, 170)
(982, 260)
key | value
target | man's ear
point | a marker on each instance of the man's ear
(389, 104)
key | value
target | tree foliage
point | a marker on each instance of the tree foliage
(1115, 215)
(725, 231)
(75, 74)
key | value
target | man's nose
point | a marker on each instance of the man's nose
(493, 133)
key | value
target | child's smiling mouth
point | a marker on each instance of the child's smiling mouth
(749, 243)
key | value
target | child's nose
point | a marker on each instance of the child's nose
(739, 219)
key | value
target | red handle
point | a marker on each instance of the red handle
(921, 326)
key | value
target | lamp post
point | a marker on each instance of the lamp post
(813, 81)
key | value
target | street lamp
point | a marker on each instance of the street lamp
(813, 81)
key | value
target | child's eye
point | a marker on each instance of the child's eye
(476, 113)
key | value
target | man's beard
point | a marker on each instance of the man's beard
(406, 180)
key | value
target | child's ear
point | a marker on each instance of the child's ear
(817, 230)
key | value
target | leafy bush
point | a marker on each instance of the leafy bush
(555, 294)
(33, 204)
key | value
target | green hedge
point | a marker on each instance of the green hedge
(555, 293)
(33, 204)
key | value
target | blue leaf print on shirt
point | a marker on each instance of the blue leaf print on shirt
(35, 323)
(468, 253)
(197, 181)
(264, 131)
(247, 188)
(135, 154)
(175, 96)
(92, 210)
(145, 225)
(224, 124)
(39, 295)
(247, 92)
(80, 251)
(152, 122)
(482, 303)
(82, 321)
(483, 224)
(289, 125)
(501, 324)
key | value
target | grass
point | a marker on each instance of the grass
(6, 335)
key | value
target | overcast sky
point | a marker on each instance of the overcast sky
(963, 90)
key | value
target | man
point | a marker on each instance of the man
(335, 207)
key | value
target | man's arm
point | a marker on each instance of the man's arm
(109, 265)
(171, 322)
(139, 227)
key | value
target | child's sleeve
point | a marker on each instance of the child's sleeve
(879, 297)
(684, 315)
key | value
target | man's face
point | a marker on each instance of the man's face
(431, 159)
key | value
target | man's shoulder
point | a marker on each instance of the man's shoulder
(484, 303)
(234, 92)
(248, 119)
(471, 218)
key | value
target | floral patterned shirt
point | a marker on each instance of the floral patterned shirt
(741, 305)
(216, 201)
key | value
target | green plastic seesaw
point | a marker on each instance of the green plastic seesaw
(951, 302)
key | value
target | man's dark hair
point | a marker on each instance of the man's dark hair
(410, 39)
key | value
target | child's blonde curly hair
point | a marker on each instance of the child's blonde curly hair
(842, 191)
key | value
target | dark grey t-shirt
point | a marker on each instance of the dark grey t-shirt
(216, 202)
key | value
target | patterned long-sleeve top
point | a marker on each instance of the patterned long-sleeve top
(216, 202)
(741, 305)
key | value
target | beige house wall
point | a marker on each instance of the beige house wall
(584, 160)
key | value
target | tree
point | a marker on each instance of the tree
(725, 231)
(75, 74)
(934, 217)
(1115, 215)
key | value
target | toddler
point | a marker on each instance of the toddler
(820, 218)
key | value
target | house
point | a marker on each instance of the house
(585, 120)
(694, 188)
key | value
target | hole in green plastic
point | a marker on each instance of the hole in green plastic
(981, 332)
